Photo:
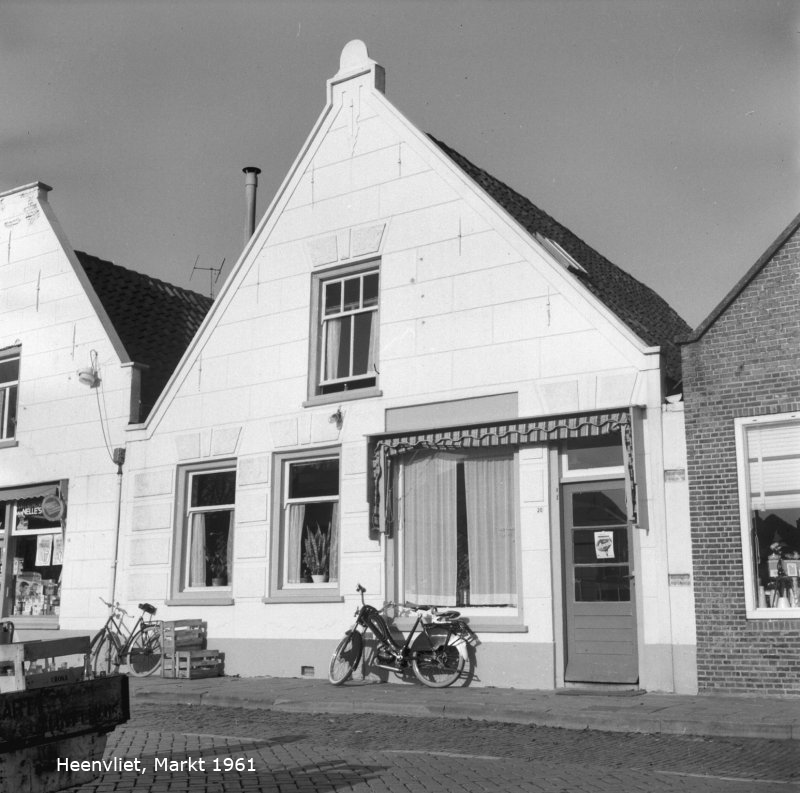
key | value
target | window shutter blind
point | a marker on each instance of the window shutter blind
(773, 464)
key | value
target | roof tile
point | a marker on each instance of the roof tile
(639, 307)
(155, 320)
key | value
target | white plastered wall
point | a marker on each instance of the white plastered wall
(469, 306)
(45, 308)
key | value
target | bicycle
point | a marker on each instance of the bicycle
(438, 663)
(114, 643)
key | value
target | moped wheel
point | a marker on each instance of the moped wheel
(144, 657)
(345, 658)
(438, 667)
(104, 656)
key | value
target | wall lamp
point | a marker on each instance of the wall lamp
(89, 375)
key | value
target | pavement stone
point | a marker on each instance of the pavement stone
(772, 718)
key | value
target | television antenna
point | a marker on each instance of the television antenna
(212, 278)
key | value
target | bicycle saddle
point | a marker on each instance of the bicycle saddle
(147, 608)
(448, 615)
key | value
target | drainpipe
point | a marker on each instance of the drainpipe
(250, 186)
(119, 459)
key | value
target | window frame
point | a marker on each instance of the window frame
(180, 592)
(9, 354)
(11, 550)
(589, 473)
(279, 590)
(489, 617)
(317, 332)
(741, 425)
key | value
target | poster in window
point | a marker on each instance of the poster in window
(604, 544)
(58, 549)
(44, 550)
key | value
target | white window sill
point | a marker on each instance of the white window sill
(774, 614)
(304, 596)
(342, 396)
(21, 623)
(476, 623)
(204, 599)
(9, 443)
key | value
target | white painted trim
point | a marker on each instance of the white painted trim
(86, 284)
(238, 272)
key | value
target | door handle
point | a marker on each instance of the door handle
(630, 577)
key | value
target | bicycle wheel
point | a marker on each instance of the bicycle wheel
(104, 657)
(345, 658)
(438, 667)
(144, 656)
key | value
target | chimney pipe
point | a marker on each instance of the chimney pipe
(250, 187)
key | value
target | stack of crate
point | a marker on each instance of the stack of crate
(184, 653)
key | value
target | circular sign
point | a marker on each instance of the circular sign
(52, 508)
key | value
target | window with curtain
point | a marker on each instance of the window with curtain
(310, 540)
(9, 387)
(348, 332)
(209, 529)
(458, 537)
(770, 485)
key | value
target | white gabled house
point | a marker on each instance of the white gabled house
(465, 402)
(76, 367)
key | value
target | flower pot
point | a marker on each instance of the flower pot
(319, 578)
(220, 581)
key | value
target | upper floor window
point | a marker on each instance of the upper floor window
(345, 357)
(9, 387)
(769, 496)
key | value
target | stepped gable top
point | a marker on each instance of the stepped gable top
(639, 307)
(155, 320)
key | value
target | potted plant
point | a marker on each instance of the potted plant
(317, 544)
(217, 558)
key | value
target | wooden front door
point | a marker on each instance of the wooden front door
(600, 596)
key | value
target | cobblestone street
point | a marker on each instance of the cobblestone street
(183, 749)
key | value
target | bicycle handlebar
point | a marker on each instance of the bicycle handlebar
(115, 606)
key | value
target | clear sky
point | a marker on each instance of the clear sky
(665, 134)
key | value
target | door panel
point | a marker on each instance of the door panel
(599, 585)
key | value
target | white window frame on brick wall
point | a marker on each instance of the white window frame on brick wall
(767, 450)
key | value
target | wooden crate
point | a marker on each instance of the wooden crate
(32, 665)
(41, 728)
(182, 635)
(193, 664)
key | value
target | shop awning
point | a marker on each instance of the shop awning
(505, 433)
(28, 491)
(509, 433)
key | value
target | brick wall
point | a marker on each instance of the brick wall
(746, 364)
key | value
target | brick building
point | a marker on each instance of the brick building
(741, 370)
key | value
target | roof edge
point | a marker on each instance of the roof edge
(741, 284)
(41, 186)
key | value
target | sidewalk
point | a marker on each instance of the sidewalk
(741, 717)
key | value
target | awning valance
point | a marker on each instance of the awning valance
(504, 433)
(28, 491)
(507, 433)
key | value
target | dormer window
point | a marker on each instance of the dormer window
(344, 348)
(9, 388)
